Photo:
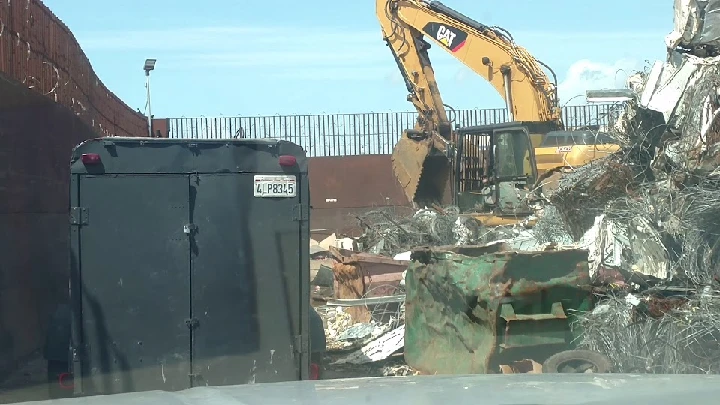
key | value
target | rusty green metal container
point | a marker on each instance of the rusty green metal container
(471, 309)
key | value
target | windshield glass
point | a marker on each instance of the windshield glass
(238, 193)
(513, 153)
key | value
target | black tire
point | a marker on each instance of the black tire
(55, 370)
(577, 361)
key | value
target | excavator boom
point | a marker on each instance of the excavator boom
(433, 129)
(420, 158)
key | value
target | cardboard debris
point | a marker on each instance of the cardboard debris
(340, 243)
(526, 366)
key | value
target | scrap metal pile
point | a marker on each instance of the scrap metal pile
(390, 235)
(362, 306)
(648, 217)
(650, 214)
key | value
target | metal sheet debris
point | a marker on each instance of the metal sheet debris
(379, 349)
(639, 232)
(696, 24)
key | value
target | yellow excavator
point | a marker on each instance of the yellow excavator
(493, 166)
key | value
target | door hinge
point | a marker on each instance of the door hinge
(79, 216)
(300, 212)
(298, 346)
(189, 229)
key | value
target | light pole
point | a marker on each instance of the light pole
(149, 65)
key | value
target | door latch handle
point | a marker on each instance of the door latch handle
(189, 229)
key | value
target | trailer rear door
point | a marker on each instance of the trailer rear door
(135, 292)
(246, 248)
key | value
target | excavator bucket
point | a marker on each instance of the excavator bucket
(420, 169)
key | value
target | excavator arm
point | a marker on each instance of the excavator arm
(490, 52)
(410, 52)
(424, 145)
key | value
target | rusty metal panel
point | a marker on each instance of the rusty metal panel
(34, 154)
(18, 17)
(5, 14)
(353, 182)
(161, 125)
(343, 221)
(44, 56)
(36, 23)
(6, 53)
(39, 53)
(339, 190)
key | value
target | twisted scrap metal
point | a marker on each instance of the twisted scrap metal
(687, 221)
(670, 335)
(393, 233)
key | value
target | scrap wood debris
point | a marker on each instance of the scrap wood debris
(373, 344)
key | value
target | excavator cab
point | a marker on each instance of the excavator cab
(494, 170)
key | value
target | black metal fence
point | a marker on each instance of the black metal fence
(357, 134)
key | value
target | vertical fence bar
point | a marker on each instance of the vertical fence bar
(363, 133)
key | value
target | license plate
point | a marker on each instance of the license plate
(564, 149)
(275, 186)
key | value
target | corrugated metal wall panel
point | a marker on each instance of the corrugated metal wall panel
(35, 148)
(6, 51)
(353, 182)
(5, 14)
(39, 53)
(43, 54)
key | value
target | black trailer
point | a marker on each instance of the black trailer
(189, 267)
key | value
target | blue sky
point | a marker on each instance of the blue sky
(242, 57)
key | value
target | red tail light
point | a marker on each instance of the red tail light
(314, 372)
(287, 160)
(90, 158)
(61, 381)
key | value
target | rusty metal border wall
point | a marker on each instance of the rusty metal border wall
(40, 52)
(355, 134)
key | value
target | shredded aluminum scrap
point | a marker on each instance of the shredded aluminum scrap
(696, 25)
(389, 234)
(657, 333)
